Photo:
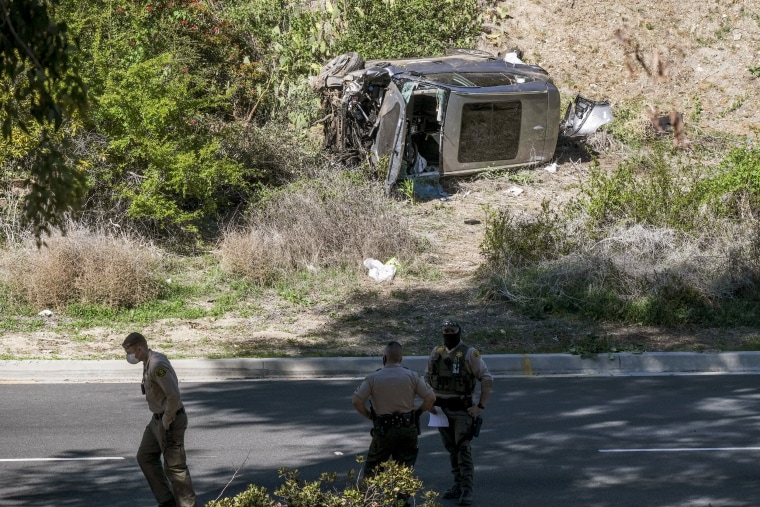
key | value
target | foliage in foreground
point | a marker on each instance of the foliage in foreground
(39, 89)
(388, 488)
(658, 241)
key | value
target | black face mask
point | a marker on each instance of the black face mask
(451, 340)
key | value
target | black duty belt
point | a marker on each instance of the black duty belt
(454, 403)
(395, 420)
(159, 416)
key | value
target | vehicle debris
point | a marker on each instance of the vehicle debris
(462, 113)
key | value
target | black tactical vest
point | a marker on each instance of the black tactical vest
(451, 373)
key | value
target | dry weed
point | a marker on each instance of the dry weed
(328, 221)
(717, 264)
(84, 267)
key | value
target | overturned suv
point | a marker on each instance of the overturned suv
(457, 114)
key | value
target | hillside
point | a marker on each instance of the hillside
(646, 58)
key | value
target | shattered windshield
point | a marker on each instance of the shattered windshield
(475, 79)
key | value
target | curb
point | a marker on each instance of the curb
(505, 365)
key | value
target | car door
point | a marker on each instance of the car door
(391, 133)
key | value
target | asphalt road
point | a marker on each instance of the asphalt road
(554, 441)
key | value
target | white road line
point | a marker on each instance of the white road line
(61, 459)
(685, 449)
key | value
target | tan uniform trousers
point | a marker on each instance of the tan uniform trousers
(172, 479)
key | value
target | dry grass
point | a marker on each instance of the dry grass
(327, 221)
(718, 264)
(82, 267)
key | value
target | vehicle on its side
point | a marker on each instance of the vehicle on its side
(457, 114)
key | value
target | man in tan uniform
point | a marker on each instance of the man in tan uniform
(453, 370)
(392, 391)
(165, 433)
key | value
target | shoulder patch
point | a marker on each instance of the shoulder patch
(161, 371)
(476, 353)
(441, 349)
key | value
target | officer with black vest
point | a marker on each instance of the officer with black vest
(453, 371)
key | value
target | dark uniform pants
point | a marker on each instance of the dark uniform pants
(458, 432)
(173, 475)
(397, 443)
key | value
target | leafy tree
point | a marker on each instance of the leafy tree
(40, 85)
(394, 29)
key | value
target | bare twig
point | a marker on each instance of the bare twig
(258, 101)
(234, 476)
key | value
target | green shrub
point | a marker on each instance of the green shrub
(735, 190)
(254, 496)
(655, 188)
(511, 241)
(390, 487)
(394, 29)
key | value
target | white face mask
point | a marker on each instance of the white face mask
(131, 359)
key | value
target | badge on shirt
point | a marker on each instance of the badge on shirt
(160, 371)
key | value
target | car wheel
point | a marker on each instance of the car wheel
(338, 67)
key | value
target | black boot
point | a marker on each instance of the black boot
(453, 492)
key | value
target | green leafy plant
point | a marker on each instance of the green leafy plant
(514, 241)
(736, 186)
(40, 83)
(390, 487)
(406, 188)
(409, 28)
(655, 188)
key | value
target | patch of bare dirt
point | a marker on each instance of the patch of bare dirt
(656, 57)
(688, 56)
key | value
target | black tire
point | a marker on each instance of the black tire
(339, 67)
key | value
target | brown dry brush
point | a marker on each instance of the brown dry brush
(329, 221)
(83, 267)
(637, 261)
(716, 266)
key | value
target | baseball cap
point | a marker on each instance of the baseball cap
(450, 326)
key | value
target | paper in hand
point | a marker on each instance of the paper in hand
(438, 420)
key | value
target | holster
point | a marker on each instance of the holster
(476, 425)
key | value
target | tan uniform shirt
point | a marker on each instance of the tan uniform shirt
(393, 389)
(161, 385)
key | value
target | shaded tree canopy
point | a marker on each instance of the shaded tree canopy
(39, 84)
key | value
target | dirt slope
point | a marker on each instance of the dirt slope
(644, 56)
(670, 55)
